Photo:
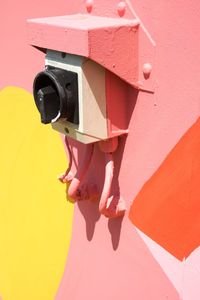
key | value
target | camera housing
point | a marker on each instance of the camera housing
(103, 53)
(80, 98)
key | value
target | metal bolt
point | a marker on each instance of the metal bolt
(147, 68)
(89, 5)
(121, 8)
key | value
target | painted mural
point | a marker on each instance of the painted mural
(35, 218)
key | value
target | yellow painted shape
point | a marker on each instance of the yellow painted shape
(35, 218)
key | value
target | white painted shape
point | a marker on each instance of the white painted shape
(171, 266)
(191, 283)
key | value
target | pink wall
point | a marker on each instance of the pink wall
(111, 259)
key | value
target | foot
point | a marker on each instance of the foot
(115, 207)
(66, 177)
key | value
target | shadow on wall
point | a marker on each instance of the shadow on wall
(90, 209)
(167, 209)
(95, 176)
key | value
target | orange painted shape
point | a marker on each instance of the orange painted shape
(167, 209)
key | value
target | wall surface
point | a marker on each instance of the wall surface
(151, 253)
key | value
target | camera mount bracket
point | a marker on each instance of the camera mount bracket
(111, 42)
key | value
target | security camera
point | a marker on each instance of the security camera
(80, 98)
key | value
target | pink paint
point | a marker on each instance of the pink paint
(121, 8)
(117, 113)
(89, 5)
(156, 124)
(111, 253)
(109, 146)
(111, 262)
(147, 69)
(74, 192)
(109, 170)
(100, 39)
(14, 44)
(68, 175)
(111, 206)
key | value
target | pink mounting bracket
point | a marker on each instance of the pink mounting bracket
(121, 45)
(111, 42)
(68, 175)
(74, 191)
(111, 206)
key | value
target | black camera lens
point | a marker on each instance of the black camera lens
(56, 95)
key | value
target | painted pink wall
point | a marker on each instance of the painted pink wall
(22, 61)
(111, 259)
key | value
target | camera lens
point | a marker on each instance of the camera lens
(56, 95)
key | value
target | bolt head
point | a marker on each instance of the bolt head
(89, 5)
(121, 8)
(147, 68)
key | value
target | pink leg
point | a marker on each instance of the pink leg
(68, 175)
(107, 183)
(110, 206)
(74, 192)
